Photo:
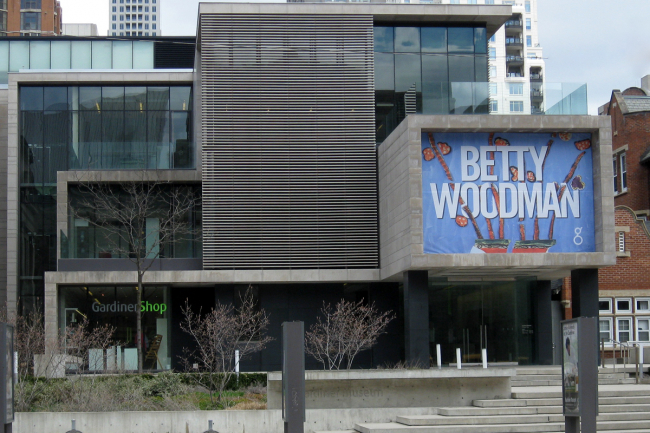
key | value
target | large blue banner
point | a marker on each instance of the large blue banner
(507, 193)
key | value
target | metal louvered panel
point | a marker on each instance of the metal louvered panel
(289, 166)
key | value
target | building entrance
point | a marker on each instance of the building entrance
(497, 316)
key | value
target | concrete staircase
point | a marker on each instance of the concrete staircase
(552, 376)
(535, 406)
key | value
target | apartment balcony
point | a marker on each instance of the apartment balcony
(514, 75)
(514, 42)
(536, 77)
(536, 95)
(514, 61)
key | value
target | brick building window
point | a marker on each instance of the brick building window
(604, 305)
(605, 329)
(643, 305)
(623, 305)
(643, 329)
(623, 164)
(623, 329)
(615, 167)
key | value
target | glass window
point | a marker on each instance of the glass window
(493, 38)
(471, 2)
(605, 305)
(528, 24)
(55, 99)
(494, 106)
(122, 55)
(407, 39)
(30, 4)
(480, 40)
(623, 305)
(492, 52)
(153, 18)
(615, 169)
(146, 17)
(623, 160)
(90, 98)
(407, 72)
(153, 9)
(461, 40)
(384, 71)
(122, 8)
(143, 55)
(623, 329)
(113, 98)
(461, 68)
(434, 39)
(489, 2)
(102, 54)
(121, 17)
(529, 41)
(493, 71)
(435, 84)
(31, 98)
(146, 8)
(18, 55)
(516, 106)
(605, 328)
(113, 27)
(480, 69)
(516, 88)
(114, 9)
(527, 3)
(39, 52)
(146, 27)
(179, 98)
(121, 26)
(643, 329)
(642, 305)
(621, 241)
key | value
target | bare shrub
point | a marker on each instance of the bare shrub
(342, 331)
(218, 334)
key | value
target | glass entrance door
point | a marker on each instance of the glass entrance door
(496, 316)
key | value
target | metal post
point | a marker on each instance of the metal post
(458, 361)
(438, 355)
(74, 427)
(209, 430)
(484, 356)
(293, 377)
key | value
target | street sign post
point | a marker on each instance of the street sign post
(7, 376)
(293, 377)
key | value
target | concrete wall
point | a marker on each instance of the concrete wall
(225, 421)
(3, 196)
(400, 198)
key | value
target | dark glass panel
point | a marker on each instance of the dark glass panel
(407, 72)
(158, 98)
(461, 40)
(481, 98)
(181, 139)
(461, 98)
(461, 69)
(56, 98)
(31, 98)
(434, 39)
(31, 145)
(480, 40)
(112, 98)
(135, 98)
(480, 68)
(90, 140)
(384, 39)
(31, 295)
(90, 98)
(158, 126)
(135, 138)
(435, 85)
(179, 98)
(384, 71)
(407, 39)
(57, 132)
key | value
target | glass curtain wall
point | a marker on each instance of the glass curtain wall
(63, 128)
(428, 70)
(497, 316)
(116, 306)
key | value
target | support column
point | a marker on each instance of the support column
(584, 297)
(416, 317)
(544, 323)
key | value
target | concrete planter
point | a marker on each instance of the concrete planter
(396, 388)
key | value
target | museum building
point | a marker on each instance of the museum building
(340, 151)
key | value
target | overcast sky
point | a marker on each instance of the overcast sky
(603, 43)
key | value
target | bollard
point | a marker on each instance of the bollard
(458, 360)
(209, 430)
(439, 356)
(484, 357)
(74, 428)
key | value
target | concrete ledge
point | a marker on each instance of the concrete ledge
(396, 388)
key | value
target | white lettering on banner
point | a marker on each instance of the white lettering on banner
(521, 200)
(487, 162)
(466, 162)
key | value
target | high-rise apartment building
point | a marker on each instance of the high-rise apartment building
(134, 18)
(30, 18)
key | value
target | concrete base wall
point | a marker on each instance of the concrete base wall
(225, 421)
(385, 388)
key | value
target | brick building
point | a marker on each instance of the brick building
(624, 289)
(30, 17)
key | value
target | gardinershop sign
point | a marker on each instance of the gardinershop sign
(507, 193)
(118, 307)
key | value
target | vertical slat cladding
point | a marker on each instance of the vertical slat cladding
(289, 172)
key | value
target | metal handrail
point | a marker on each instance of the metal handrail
(624, 347)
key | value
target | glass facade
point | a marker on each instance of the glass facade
(67, 54)
(472, 316)
(63, 128)
(116, 306)
(428, 70)
(91, 236)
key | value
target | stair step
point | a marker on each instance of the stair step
(539, 370)
(613, 408)
(496, 411)
(523, 394)
(439, 420)
(625, 416)
(522, 383)
(536, 377)
(479, 428)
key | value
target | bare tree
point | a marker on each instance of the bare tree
(121, 211)
(39, 359)
(343, 331)
(219, 333)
